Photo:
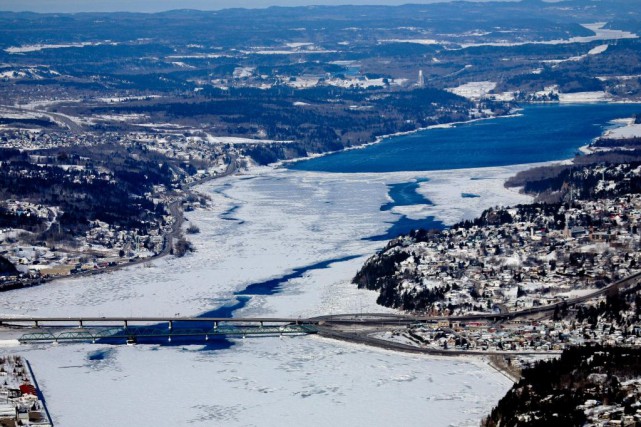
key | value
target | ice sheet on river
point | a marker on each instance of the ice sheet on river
(264, 226)
(261, 382)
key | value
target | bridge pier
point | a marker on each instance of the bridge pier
(36, 323)
(171, 325)
(80, 323)
(126, 324)
(215, 325)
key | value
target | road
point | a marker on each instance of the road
(175, 209)
(626, 284)
(337, 322)
(364, 337)
(354, 328)
(37, 322)
(58, 118)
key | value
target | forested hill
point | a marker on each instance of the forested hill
(567, 391)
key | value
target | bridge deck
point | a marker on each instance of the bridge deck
(106, 334)
(150, 319)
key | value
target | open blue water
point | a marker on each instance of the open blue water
(405, 194)
(540, 133)
(272, 286)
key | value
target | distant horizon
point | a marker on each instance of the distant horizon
(153, 6)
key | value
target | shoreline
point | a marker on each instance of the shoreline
(176, 230)
(381, 138)
(516, 112)
(476, 359)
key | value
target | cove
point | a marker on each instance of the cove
(538, 133)
(406, 194)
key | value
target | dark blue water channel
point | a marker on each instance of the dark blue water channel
(406, 194)
(240, 300)
(539, 133)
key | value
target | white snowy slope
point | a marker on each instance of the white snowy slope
(473, 90)
(263, 226)
(623, 128)
(584, 97)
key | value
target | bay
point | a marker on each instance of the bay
(538, 133)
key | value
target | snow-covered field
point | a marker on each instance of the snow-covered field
(115, 99)
(234, 140)
(261, 226)
(625, 128)
(583, 97)
(474, 90)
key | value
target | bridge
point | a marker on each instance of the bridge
(151, 329)
(156, 329)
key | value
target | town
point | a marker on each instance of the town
(535, 255)
(41, 241)
(20, 404)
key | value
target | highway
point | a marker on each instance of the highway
(365, 338)
(60, 119)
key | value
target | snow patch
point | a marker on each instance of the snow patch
(39, 47)
(598, 50)
(473, 90)
(583, 97)
(626, 129)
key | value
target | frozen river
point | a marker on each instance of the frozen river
(270, 224)
(278, 242)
